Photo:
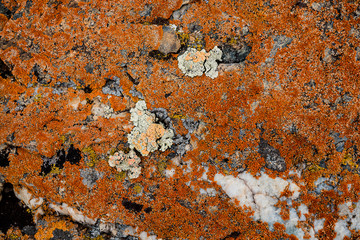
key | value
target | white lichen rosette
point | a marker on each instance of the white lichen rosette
(148, 135)
(194, 63)
(126, 162)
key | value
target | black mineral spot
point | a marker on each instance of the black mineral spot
(171, 155)
(4, 10)
(5, 71)
(133, 80)
(7, 12)
(61, 158)
(4, 157)
(41, 76)
(148, 209)
(159, 55)
(12, 212)
(73, 156)
(131, 206)
(233, 235)
(131, 238)
(160, 21)
(234, 55)
(167, 95)
(59, 234)
(299, 4)
(29, 230)
(87, 89)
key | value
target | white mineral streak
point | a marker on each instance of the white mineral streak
(35, 204)
(75, 214)
(261, 195)
(351, 211)
(30, 201)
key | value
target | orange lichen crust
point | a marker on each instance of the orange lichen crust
(287, 92)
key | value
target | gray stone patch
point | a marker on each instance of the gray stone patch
(280, 41)
(178, 14)
(338, 141)
(62, 87)
(146, 12)
(59, 234)
(233, 55)
(163, 117)
(90, 176)
(112, 86)
(181, 144)
(89, 68)
(136, 93)
(325, 184)
(272, 156)
(190, 124)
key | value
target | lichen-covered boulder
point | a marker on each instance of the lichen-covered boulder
(179, 119)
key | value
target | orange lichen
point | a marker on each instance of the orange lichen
(294, 99)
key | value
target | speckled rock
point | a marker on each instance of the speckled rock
(179, 119)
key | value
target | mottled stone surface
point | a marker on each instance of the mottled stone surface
(246, 127)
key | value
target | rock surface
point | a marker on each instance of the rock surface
(179, 119)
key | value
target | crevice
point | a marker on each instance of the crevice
(131, 206)
(12, 212)
(73, 156)
(5, 71)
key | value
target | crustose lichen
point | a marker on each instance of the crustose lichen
(149, 134)
(194, 63)
(126, 162)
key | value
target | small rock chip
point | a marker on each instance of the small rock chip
(170, 43)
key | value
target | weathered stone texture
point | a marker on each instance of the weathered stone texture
(179, 119)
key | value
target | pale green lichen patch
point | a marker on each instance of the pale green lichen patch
(194, 63)
(126, 162)
(148, 135)
(211, 64)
